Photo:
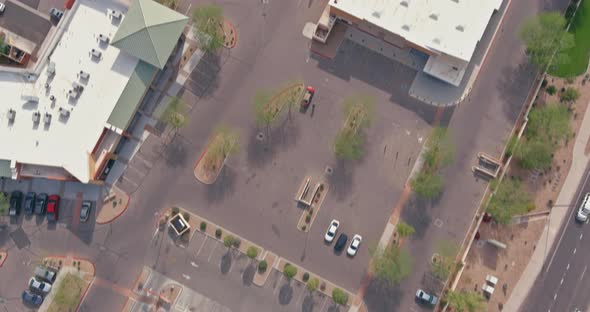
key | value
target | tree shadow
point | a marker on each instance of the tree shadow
(381, 296)
(308, 303)
(263, 144)
(226, 262)
(248, 274)
(175, 153)
(286, 293)
(224, 185)
(341, 179)
(204, 79)
(334, 308)
(415, 213)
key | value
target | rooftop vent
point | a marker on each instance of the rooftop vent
(376, 14)
(83, 75)
(47, 118)
(404, 3)
(95, 54)
(460, 28)
(115, 14)
(436, 40)
(103, 39)
(64, 112)
(434, 16)
(11, 114)
(406, 27)
(36, 117)
(51, 69)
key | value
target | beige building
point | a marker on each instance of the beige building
(447, 31)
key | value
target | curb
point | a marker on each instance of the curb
(4, 258)
(197, 164)
(235, 32)
(120, 212)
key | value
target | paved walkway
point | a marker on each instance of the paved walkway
(558, 215)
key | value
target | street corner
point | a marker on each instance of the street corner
(113, 206)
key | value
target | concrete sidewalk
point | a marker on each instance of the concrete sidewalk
(558, 215)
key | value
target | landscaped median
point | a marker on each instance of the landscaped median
(113, 206)
(73, 279)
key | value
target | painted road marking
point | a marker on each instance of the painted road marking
(561, 283)
(581, 235)
(568, 267)
(211, 254)
(203, 244)
(554, 296)
(186, 276)
(583, 272)
(575, 250)
(194, 264)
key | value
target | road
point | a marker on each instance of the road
(564, 282)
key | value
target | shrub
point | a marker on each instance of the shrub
(203, 226)
(551, 90)
(228, 241)
(289, 271)
(323, 286)
(186, 216)
(308, 218)
(262, 266)
(339, 296)
(175, 210)
(236, 242)
(305, 277)
(218, 233)
(569, 95)
(252, 252)
(544, 83)
(312, 285)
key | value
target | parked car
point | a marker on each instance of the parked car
(340, 242)
(354, 245)
(40, 203)
(2, 7)
(425, 297)
(308, 96)
(85, 210)
(56, 14)
(331, 232)
(584, 209)
(29, 203)
(52, 207)
(39, 286)
(43, 273)
(31, 298)
(16, 199)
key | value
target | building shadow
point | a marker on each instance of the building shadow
(286, 293)
(415, 213)
(381, 296)
(263, 144)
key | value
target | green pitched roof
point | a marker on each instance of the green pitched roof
(132, 94)
(149, 31)
(5, 170)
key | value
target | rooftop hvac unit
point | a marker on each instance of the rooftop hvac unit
(83, 75)
(51, 69)
(103, 39)
(36, 117)
(11, 114)
(116, 14)
(30, 98)
(64, 112)
(95, 54)
(47, 118)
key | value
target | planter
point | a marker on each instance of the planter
(208, 175)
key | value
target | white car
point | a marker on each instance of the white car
(354, 245)
(331, 232)
(2, 7)
(39, 286)
(425, 297)
(584, 209)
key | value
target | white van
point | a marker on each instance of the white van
(584, 209)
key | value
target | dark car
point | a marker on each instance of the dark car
(56, 14)
(40, 203)
(30, 203)
(31, 298)
(16, 199)
(340, 243)
(85, 210)
(52, 207)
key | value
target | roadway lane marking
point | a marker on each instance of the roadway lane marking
(581, 235)
(561, 283)
(554, 296)
(211, 254)
(575, 250)
(203, 244)
(583, 272)
(565, 227)
(194, 264)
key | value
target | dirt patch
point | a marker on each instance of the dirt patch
(208, 174)
(230, 35)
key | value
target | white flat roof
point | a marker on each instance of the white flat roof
(67, 143)
(452, 27)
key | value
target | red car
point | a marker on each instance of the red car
(309, 91)
(52, 207)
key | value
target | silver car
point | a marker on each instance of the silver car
(39, 286)
(584, 209)
(85, 210)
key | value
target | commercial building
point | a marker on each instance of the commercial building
(65, 117)
(446, 31)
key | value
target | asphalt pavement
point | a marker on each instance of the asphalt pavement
(563, 283)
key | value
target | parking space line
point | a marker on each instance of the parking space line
(324, 304)
(274, 292)
(211, 254)
(202, 245)
(300, 297)
(129, 180)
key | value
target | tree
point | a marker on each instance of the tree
(443, 265)
(550, 122)
(171, 4)
(543, 35)
(339, 296)
(508, 200)
(3, 204)
(405, 230)
(228, 241)
(465, 301)
(535, 154)
(264, 116)
(207, 22)
(312, 284)
(348, 144)
(289, 271)
(224, 142)
(174, 115)
(439, 150)
(570, 95)
(252, 252)
(391, 264)
(427, 185)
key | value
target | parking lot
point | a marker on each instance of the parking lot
(205, 260)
